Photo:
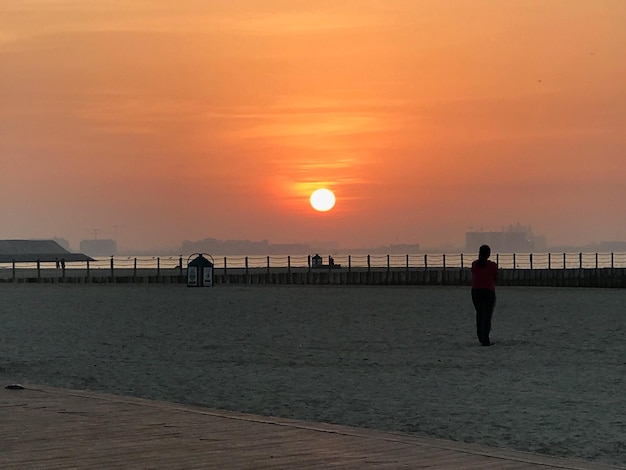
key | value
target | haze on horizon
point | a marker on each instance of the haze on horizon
(155, 122)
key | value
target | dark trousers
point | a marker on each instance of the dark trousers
(484, 301)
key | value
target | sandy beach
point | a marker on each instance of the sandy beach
(390, 358)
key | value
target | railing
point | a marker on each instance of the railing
(424, 261)
(156, 265)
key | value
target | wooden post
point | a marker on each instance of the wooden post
(268, 265)
(349, 263)
(158, 266)
(225, 267)
(289, 265)
(564, 260)
(611, 261)
(368, 263)
(514, 262)
(580, 260)
(444, 261)
(135, 267)
(388, 265)
(87, 269)
(461, 260)
(180, 265)
(330, 268)
(549, 261)
(247, 271)
(13, 271)
(112, 270)
(38, 269)
(530, 257)
(596, 260)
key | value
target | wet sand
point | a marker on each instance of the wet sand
(390, 358)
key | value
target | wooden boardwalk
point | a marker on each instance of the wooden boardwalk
(51, 428)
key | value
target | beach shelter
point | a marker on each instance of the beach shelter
(316, 261)
(200, 271)
(31, 251)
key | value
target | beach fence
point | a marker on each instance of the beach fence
(525, 269)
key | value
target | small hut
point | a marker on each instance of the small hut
(316, 261)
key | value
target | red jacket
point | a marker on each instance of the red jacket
(484, 277)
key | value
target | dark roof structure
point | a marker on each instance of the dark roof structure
(30, 251)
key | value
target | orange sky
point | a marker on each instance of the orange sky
(162, 121)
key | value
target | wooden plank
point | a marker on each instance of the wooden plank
(45, 427)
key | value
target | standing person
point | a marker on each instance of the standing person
(484, 278)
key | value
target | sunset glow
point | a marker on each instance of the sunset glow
(187, 120)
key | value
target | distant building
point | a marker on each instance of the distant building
(104, 247)
(473, 241)
(514, 239)
(613, 246)
(226, 247)
(393, 249)
(397, 249)
(288, 248)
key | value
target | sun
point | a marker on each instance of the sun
(322, 200)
